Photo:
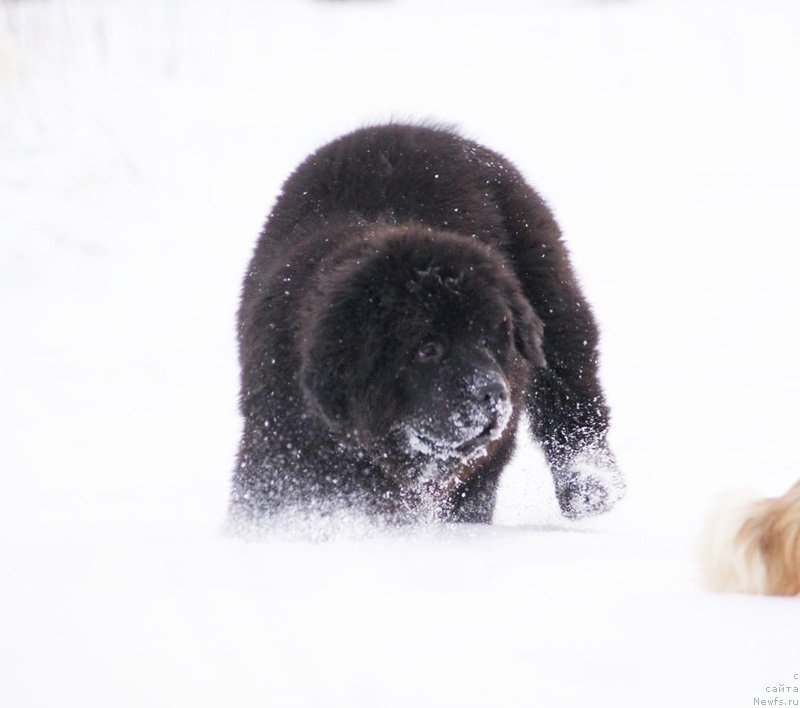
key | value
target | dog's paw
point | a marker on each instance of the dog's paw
(591, 485)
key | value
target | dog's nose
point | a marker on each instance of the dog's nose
(492, 392)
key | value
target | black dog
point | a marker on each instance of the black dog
(409, 296)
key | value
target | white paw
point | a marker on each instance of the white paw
(591, 485)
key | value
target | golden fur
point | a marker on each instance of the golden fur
(753, 546)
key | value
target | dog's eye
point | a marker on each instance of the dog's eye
(430, 352)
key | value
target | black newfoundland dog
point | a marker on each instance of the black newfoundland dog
(408, 299)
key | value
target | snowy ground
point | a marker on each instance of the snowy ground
(141, 145)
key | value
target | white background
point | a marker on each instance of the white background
(142, 144)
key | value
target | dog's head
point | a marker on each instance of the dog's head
(423, 334)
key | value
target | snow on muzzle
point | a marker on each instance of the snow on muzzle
(481, 418)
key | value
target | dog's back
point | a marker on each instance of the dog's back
(753, 545)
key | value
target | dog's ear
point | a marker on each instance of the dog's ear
(328, 367)
(324, 384)
(340, 352)
(337, 383)
(528, 331)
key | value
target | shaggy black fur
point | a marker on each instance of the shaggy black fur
(409, 296)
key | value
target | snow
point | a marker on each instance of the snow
(141, 146)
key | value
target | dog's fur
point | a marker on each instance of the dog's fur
(753, 545)
(408, 298)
